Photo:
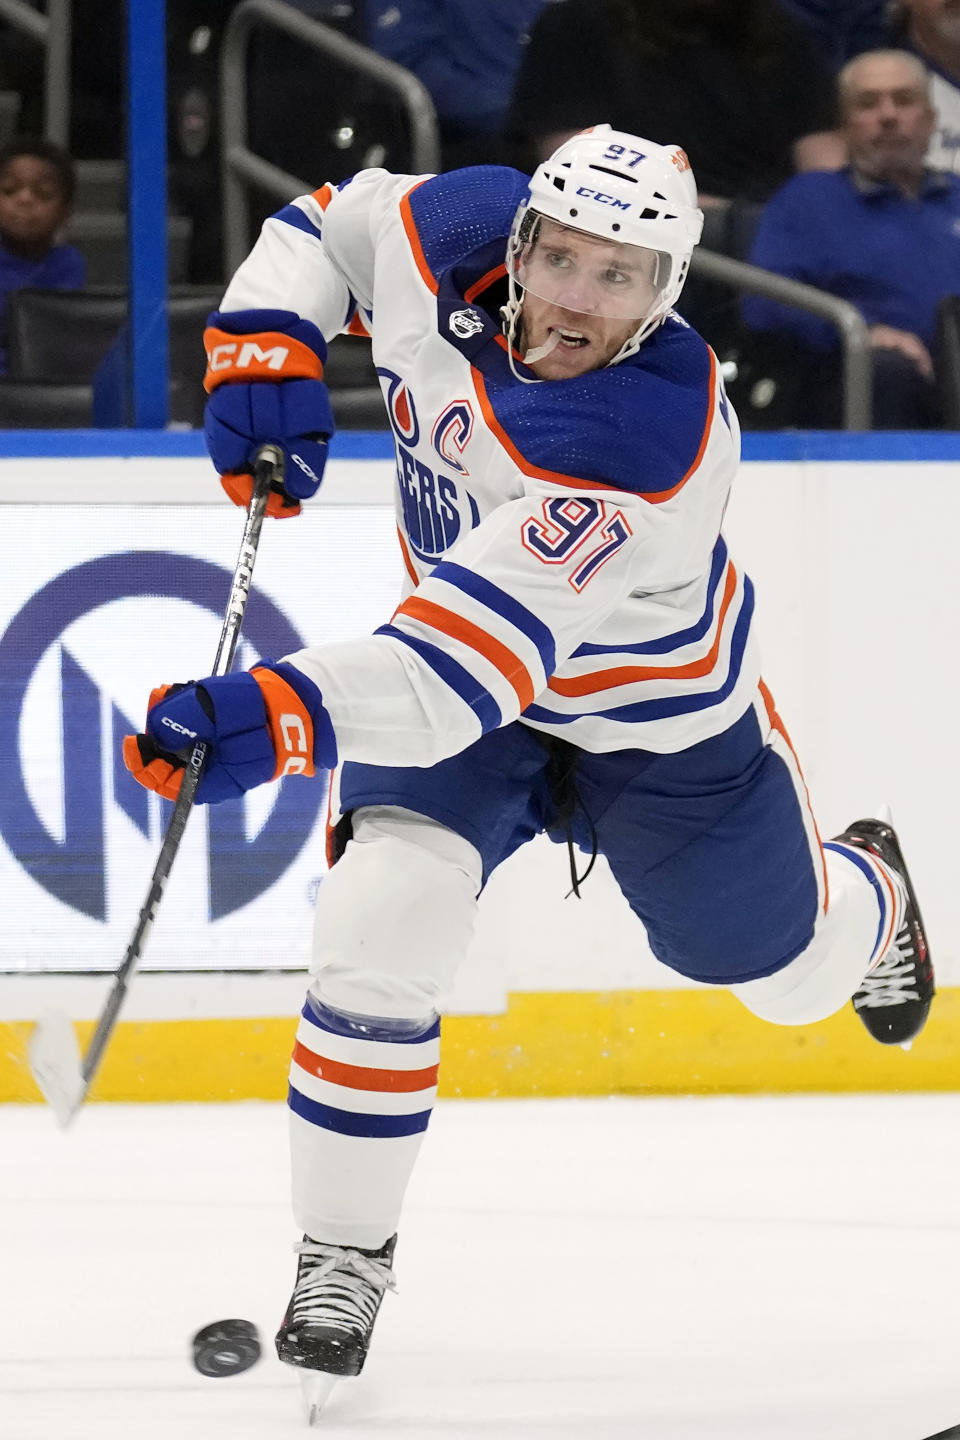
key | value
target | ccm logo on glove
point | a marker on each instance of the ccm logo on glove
(272, 356)
(180, 729)
(294, 737)
(221, 357)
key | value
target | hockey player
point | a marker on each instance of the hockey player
(574, 653)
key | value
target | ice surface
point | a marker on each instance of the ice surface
(658, 1269)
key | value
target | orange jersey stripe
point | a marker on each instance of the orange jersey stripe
(408, 563)
(449, 623)
(478, 286)
(555, 476)
(329, 829)
(358, 1077)
(323, 196)
(358, 326)
(631, 674)
(773, 715)
(657, 497)
(409, 225)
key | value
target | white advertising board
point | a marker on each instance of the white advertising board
(857, 595)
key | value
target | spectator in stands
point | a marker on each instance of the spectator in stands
(36, 196)
(883, 233)
(467, 53)
(739, 82)
(931, 29)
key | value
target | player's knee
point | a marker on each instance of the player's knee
(395, 916)
(814, 985)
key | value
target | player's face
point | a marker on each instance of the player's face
(887, 117)
(32, 206)
(591, 293)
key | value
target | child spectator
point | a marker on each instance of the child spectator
(36, 196)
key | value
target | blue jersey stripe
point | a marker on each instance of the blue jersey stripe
(467, 686)
(502, 604)
(665, 643)
(850, 853)
(352, 1122)
(668, 705)
(293, 215)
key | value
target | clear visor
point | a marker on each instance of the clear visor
(587, 274)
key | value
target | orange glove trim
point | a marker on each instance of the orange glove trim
(240, 490)
(291, 728)
(158, 775)
(269, 355)
(156, 695)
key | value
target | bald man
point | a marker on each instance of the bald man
(883, 233)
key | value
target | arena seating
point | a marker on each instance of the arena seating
(60, 338)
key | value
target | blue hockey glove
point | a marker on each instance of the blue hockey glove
(264, 378)
(260, 725)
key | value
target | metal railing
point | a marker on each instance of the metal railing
(844, 317)
(52, 31)
(242, 167)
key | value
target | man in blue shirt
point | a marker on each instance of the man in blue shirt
(884, 233)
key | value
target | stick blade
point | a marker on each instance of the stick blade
(56, 1066)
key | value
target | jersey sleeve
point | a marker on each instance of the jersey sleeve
(317, 256)
(479, 638)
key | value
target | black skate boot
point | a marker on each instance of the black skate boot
(335, 1300)
(894, 999)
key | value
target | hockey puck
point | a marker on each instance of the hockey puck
(227, 1347)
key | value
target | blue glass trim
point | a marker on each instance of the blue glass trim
(370, 1027)
(679, 638)
(173, 444)
(501, 604)
(851, 445)
(146, 153)
(452, 673)
(352, 1122)
(293, 215)
(849, 852)
(807, 445)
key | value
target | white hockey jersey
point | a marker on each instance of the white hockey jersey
(562, 539)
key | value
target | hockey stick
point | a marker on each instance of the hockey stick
(63, 1076)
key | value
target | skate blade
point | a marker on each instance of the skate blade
(55, 1064)
(316, 1387)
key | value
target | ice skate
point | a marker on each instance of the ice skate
(894, 999)
(326, 1330)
